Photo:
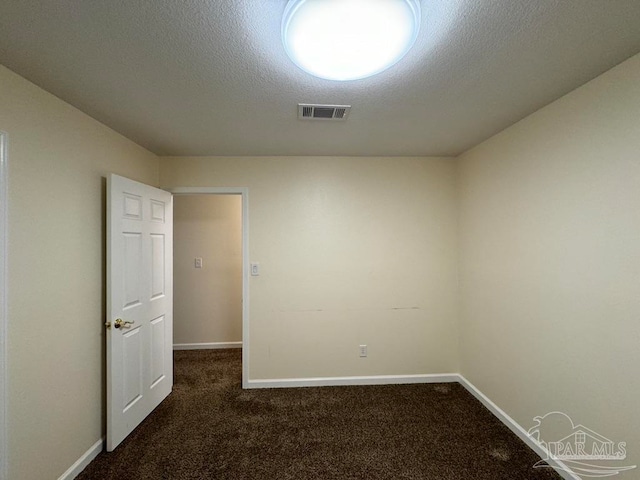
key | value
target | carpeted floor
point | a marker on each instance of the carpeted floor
(209, 428)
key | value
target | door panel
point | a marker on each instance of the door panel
(132, 356)
(158, 357)
(132, 265)
(140, 293)
(157, 266)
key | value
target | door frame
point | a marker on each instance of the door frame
(244, 192)
(4, 260)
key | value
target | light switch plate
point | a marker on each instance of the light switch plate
(255, 269)
(198, 262)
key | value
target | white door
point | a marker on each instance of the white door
(139, 303)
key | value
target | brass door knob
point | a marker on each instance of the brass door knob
(119, 323)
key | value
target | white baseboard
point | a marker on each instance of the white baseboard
(206, 346)
(516, 428)
(75, 469)
(344, 381)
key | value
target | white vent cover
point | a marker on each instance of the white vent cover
(308, 111)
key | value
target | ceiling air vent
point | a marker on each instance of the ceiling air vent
(308, 111)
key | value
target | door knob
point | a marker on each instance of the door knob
(119, 323)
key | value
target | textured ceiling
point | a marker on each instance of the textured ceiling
(210, 77)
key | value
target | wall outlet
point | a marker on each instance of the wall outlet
(198, 262)
(363, 350)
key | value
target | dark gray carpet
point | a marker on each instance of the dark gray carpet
(209, 428)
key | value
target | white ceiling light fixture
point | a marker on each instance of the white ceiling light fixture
(349, 39)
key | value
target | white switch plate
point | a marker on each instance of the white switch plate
(255, 269)
(198, 262)
(363, 350)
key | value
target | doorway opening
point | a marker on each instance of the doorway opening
(211, 270)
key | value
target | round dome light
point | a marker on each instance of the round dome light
(349, 39)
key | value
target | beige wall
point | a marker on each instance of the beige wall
(352, 251)
(208, 301)
(550, 260)
(58, 158)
